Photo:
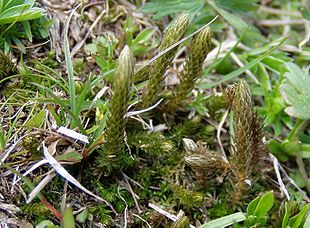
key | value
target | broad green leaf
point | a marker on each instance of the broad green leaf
(46, 224)
(27, 30)
(15, 11)
(144, 36)
(264, 78)
(264, 205)
(37, 120)
(19, 44)
(252, 206)
(1, 5)
(71, 157)
(238, 6)
(307, 222)
(235, 21)
(163, 8)
(30, 14)
(295, 91)
(225, 221)
(82, 216)
(68, 221)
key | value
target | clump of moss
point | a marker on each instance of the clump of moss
(187, 198)
(154, 143)
(7, 68)
(36, 211)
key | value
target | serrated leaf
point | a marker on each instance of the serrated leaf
(295, 91)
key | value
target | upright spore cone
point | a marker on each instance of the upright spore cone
(248, 149)
(113, 154)
(173, 34)
(198, 50)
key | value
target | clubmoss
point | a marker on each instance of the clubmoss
(199, 48)
(113, 155)
(174, 33)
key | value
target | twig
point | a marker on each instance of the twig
(307, 35)
(218, 135)
(133, 194)
(126, 208)
(281, 184)
(294, 184)
(279, 12)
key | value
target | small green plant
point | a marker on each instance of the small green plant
(15, 17)
(248, 148)
(258, 209)
(113, 156)
(199, 48)
(257, 215)
(174, 33)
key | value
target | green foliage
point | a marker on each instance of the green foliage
(188, 199)
(258, 209)
(68, 217)
(237, 6)
(257, 214)
(163, 8)
(154, 143)
(15, 16)
(37, 211)
(293, 217)
(113, 155)
(295, 91)
(103, 49)
(142, 42)
(225, 221)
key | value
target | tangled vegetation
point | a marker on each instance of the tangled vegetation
(113, 123)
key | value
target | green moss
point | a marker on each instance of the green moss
(220, 209)
(36, 211)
